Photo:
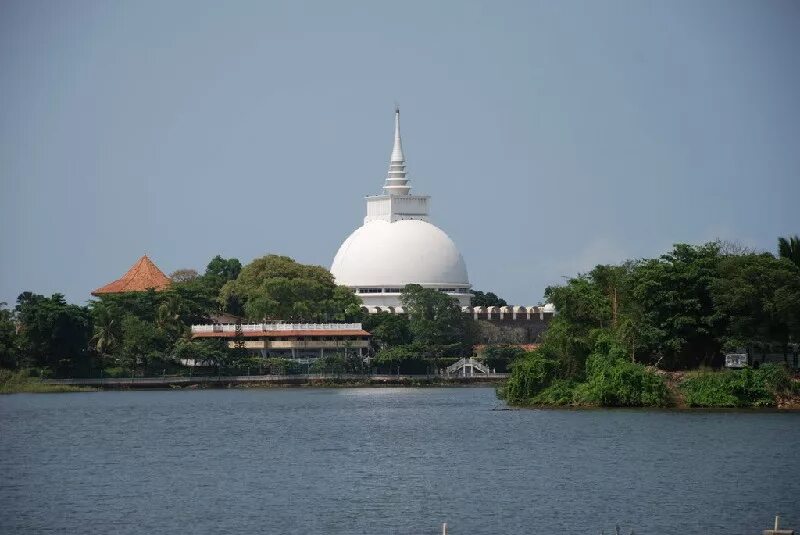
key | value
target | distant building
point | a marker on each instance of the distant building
(142, 276)
(299, 341)
(397, 245)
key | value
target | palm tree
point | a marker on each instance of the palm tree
(790, 248)
(106, 329)
(168, 315)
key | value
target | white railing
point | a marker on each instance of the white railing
(462, 365)
(262, 327)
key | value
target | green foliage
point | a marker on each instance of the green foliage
(107, 321)
(280, 366)
(387, 329)
(142, 342)
(674, 294)
(789, 248)
(212, 351)
(436, 322)
(737, 388)
(393, 358)
(116, 372)
(53, 333)
(757, 299)
(614, 382)
(9, 344)
(560, 392)
(678, 311)
(500, 356)
(488, 299)
(277, 287)
(610, 379)
(20, 381)
(529, 377)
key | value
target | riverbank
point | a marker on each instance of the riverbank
(770, 387)
(21, 383)
(266, 381)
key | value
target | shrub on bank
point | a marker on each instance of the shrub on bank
(620, 383)
(609, 380)
(15, 382)
(529, 376)
(561, 392)
(737, 388)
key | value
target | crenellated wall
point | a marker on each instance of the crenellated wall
(500, 325)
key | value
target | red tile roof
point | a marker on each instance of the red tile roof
(281, 334)
(141, 277)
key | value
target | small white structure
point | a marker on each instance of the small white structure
(466, 367)
(397, 245)
(736, 360)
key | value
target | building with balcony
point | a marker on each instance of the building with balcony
(299, 341)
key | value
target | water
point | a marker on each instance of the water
(385, 461)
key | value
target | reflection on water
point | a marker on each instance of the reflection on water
(387, 460)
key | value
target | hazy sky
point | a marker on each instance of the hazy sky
(552, 136)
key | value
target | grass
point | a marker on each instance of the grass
(19, 382)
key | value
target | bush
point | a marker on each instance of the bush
(613, 382)
(116, 372)
(737, 388)
(561, 392)
(529, 376)
(12, 382)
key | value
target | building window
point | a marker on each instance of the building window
(392, 290)
(369, 290)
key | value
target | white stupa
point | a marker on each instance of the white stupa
(397, 245)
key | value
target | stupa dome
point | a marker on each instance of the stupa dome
(383, 254)
(397, 245)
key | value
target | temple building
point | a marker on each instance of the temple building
(397, 245)
(142, 276)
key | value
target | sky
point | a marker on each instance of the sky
(552, 136)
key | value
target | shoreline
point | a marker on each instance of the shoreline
(273, 381)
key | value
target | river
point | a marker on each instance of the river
(391, 460)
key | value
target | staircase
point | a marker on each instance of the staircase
(466, 367)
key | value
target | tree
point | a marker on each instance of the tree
(142, 343)
(388, 330)
(53, 334)
(9, 351)
(207, 351)
(757, 299)
(435, 321)
(169, 315)
(674, 295)
(223, 269)
(394, 358)
(488, 299)
(277, 287)
(107, 327)
(500, 356)
(183, 275)
(789, 248)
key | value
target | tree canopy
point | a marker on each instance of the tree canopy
(789, 248)
(678, 311)
(488, 299)
(277, 287)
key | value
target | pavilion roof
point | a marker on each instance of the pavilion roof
(142, 276)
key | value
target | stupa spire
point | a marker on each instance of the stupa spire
(397, 150)
(396, 181)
